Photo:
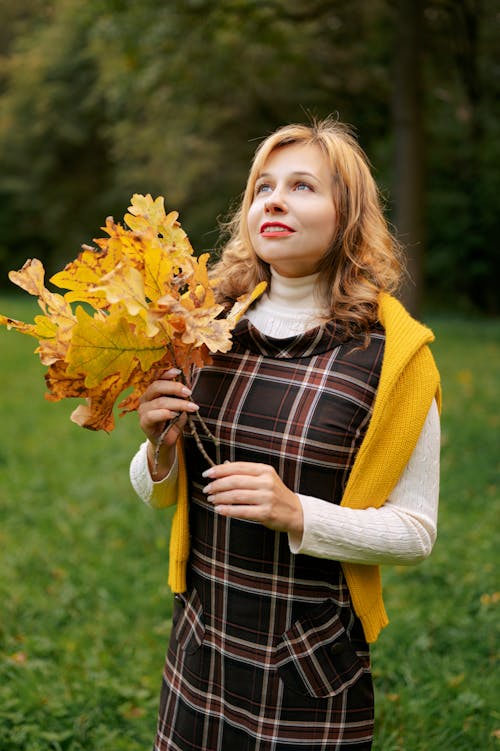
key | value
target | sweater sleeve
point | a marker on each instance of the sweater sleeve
(154, 494)
(402, 531)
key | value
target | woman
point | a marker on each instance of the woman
(327, 463)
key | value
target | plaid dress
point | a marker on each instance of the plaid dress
(266, 653)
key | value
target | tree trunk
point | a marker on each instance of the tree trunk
(408, 146)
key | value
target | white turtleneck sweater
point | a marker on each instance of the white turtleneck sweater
(402, 531)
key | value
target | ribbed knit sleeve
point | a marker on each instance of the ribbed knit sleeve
(401, 531)
(155, 494)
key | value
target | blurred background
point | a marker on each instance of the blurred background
(104, 98)
(100, 99)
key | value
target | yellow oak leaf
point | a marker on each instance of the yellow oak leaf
(146, 213)
(197, 324)
(23, 328)
(159, 272)
(31, 278)
(200, 292)
(200, 272)
(243, 303)
(122, 244)
(203, 327)
(53, 330)
(101, 347)
(83, 275)
(54, 339)
(148, 216)
(126, 286)
(45, 330)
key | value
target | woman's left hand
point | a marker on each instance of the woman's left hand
(255, 492)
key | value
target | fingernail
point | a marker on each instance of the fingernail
(208, 472)
(185, 391)
(192, 405)
(173, 372)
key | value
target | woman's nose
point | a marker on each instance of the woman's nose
(275, 204)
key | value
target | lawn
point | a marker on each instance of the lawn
(85, 606)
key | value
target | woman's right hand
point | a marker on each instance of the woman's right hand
(163, 400)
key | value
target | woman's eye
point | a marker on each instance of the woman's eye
(303, 186)
(262, 188)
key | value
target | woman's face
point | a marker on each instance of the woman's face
(291, 221)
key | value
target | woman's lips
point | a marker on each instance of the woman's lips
(276, 229)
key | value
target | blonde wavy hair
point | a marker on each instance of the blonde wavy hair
(364, 258)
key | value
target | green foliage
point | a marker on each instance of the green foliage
(86, 609)
(55, 168)
(102, 99)
(463, 149)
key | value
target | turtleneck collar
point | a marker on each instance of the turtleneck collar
(294, 293)
(290, 307)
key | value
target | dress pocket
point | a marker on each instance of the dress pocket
(315, 656)
(189, 626)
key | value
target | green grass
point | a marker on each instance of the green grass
(85, 609)
(436, 666)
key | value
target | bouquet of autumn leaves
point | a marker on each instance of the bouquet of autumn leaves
(148, 305)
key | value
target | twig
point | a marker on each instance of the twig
(169, 424)
(196, 437)
(194, 432)
(192, 428)
(207, 430)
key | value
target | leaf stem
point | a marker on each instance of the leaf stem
(169, 424)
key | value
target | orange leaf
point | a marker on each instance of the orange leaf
(97, 413)
(61, 385)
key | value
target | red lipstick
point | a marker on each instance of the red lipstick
(276, 229)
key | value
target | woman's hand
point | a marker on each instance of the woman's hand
(254, 492)
(164, 400)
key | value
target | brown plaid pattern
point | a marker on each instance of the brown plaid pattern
(266, 653)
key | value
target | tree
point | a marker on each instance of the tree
(463, 98)
(166, 110)
(110, 97)
(408, 145)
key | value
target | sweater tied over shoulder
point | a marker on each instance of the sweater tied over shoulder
(409, 381)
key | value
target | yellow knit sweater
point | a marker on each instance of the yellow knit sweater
(409, 381)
